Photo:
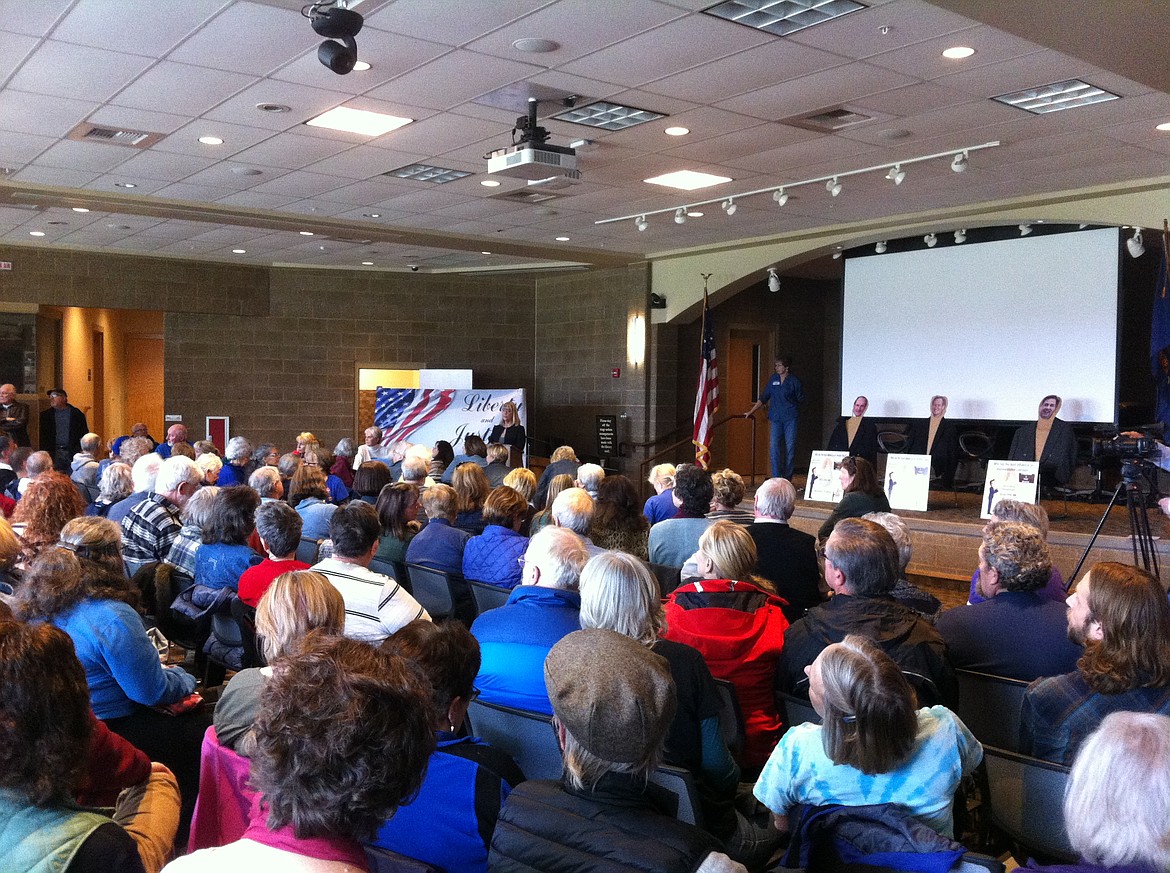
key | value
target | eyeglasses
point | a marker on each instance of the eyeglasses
(520, 561)
(475, 692)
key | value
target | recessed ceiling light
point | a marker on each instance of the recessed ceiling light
(608, 116)
(677, 131)
(36, 233)
(125, 185)
(687, 180)
(371, 214)
(958, 52)
(360, 67)
(1068, 94)
(782, 17)
(1165, 125)
(211, 140)
(427, 173)
(273, 107)
(239, 251)
(307, 233)
(358, 121)
(367, 263)
(80, 209)
(535, 45)
(490, 183)
(562, 239)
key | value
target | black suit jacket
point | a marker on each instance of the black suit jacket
(788, 559)
(865, 441)
(78, 427)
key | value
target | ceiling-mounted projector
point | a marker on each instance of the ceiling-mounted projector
(530, 156)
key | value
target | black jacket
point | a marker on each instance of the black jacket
(78, 427)
(788, 559)
(865, 441)
(944, 452)
(902, 634)
(621, 826)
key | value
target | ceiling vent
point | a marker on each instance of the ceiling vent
(525, 195)
(832, 120)
(135, 139)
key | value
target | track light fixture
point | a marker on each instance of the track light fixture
(641, 223)
(960, 236)
(931, 240)
(837, 254)
(880, 248)
(773, 280)
(680, 215)
(894, 172)
(1135, 244)
(1025, 229)
(332, 20)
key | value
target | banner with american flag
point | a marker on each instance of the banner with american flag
(425, 415)
(707, 395)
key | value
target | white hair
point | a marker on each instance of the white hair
(590, 476)
(619, 593)
(263, 480)
(573, 509)
(560, 554)
(145, 471)
(776, 498)
(209, 463)
(414, 469)
(900, 533)
(238, 449)
(662, 474)
(174, 472)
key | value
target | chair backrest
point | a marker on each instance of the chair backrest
(386, 568)
(975, 444)
(245, 617)
(731, 723)
(681, 784)
(432, 589)
(796, 710)
(384, 861)
(990, 707)
(488, 596)
(224, 804)
(1026, 800)
(892, 441)
(527, 736)
(668, 578)
(308, 549)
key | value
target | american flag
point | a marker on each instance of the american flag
(707, 395)
(402, 411)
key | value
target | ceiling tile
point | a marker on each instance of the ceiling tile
(236, 138)
(14, 48)
(859, 34)
(54, 176)
(298, 183)
(291, 151)
(817, 91)
(186, 191)
(35, 19)
(444, 83)
(136, 119)
(304, 102)
(388, 55)
(453, 22)
(162, 166)
(223, 175)
(182, 88)
(62, 69)
(38, 114)
(134, 25)
(94, 156)
(364, 162)
(20, 148)
(1038, 68)
(248, 38)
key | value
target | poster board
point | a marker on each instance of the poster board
(425, 415)
(907, 481)
(823, 483)
(1009, 480)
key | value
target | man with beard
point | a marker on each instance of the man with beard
(1121, 616)
(1049, 440)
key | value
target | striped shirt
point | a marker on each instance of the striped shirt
(149, 530)
(375, 605)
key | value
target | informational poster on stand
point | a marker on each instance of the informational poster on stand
(1009, 480)
(824, 482)
(606, 436)
(907, 481)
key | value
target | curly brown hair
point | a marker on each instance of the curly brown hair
(44, 713)
(50, 502)
(57, 580)
(342, 739)
(617, 506)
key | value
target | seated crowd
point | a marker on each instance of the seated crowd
(632, 627)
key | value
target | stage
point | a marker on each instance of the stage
(946, 537)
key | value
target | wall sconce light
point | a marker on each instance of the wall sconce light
(636, 340)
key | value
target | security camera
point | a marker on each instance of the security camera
(413, 267)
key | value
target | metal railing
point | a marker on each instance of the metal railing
(650, 461)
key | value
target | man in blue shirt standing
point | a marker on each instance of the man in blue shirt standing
(783, 395)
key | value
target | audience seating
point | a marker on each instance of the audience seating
(990, 707)
(443, 595)
(308, 550)
(681, 784)
(527, 736)
(796, 711)
(892, 441)
(668, 578)
(976, 447)
(488, 596)
(223, 807)
(731, 723)
(1025, 798)
(245, 618)
(179, 629)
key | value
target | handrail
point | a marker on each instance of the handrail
(644, 466)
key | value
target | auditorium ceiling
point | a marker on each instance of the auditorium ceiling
(279, 191)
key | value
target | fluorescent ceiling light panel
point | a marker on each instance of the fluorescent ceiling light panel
(608, 116)
(687, 180)
(1068, 94)
(358, 121)
(782, 17)
(427, 173)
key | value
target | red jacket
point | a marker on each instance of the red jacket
(739, 629)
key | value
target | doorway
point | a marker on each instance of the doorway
(749, 365)
(97, 421)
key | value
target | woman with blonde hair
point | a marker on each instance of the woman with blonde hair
(510, 432)
(875, 745)
(544, 518)
(661, 506)
(523, 481)
(294, 604)
(471, 489)
(50, 502)
(736, 621)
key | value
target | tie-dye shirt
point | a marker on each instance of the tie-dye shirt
(944, 751)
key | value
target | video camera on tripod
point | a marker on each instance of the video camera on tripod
(1127, 446)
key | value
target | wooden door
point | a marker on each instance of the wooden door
(749, 364)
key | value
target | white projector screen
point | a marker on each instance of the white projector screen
(994, 326)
